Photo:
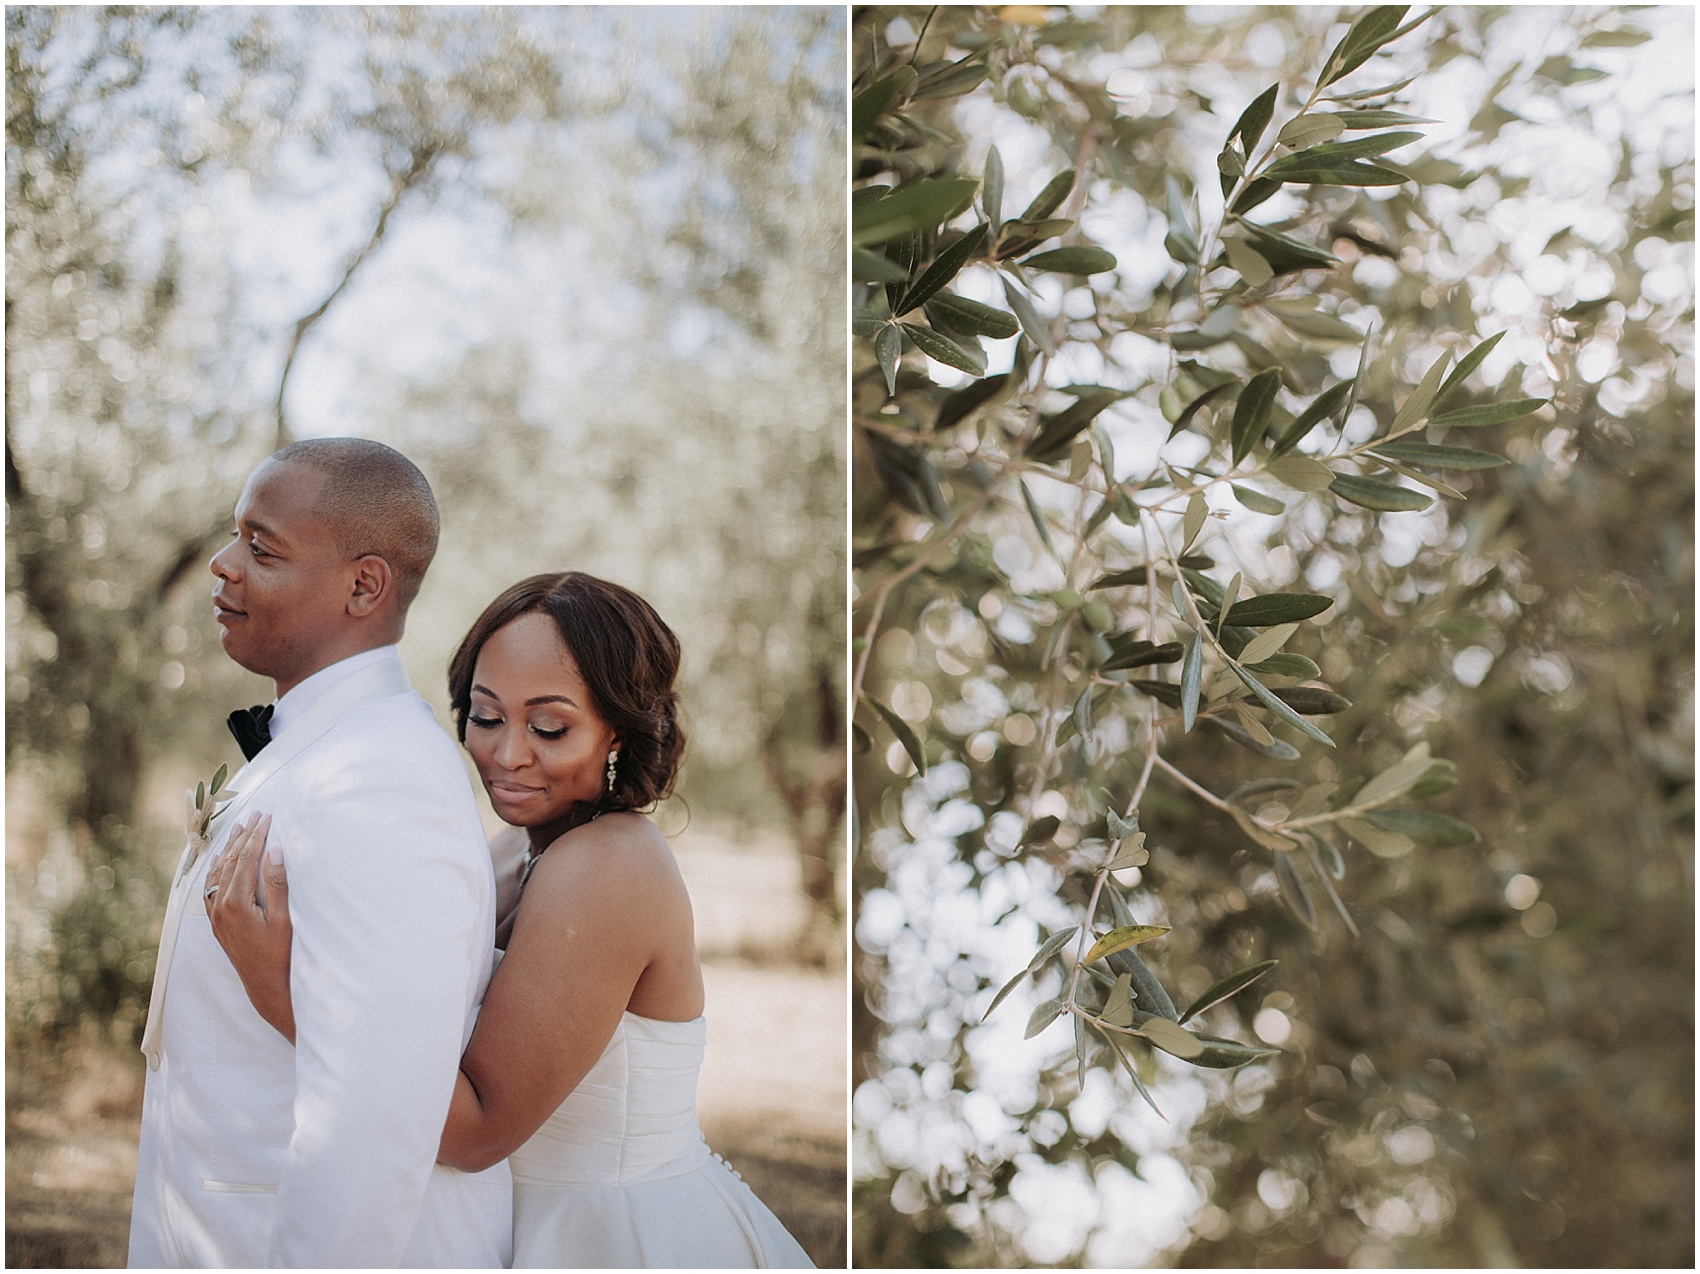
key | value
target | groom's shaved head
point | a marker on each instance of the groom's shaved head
(375, 501)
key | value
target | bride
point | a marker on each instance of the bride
(582, 1068)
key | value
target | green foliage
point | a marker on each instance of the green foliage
(1322, 297)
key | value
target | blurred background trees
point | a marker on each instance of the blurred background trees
(596, 295)
(1491, 1062)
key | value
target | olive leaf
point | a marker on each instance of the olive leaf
(1192, 409)
(1050, 198)
(888, 346)
(1383, 497)
(1396, 779)
(1285, 664)
(1489, 413)
(1271, 609)
(1307, 130)
(1004, 993)
(1416, 407)
(1251, 413)
(991, 188)
(1118, 1008)
(920, 205)
(1042, 1017)
(1228, 987)
(1311, 701)
(1191, 672)
(1146, 988)
(1041, 830)
(960, 314)
(1171, 1038)
(1079, 259)
(1275, 749)
(1133, 1074)
(1120, 939)
(1425, 827)
(1423, 453)
(1221, 1054)
(1267, 643)
(1255, 118)
(945, 268)
(1293, 891)
(1192, 522)
(1380, 842)
(1248, 262)
(1365, 36)
(1259, 833)
(1321, 408)
(1278, 708)
(1142, 655)
(900, 728)
(1053, 944)
(941, 348)
(1256, 501)
(1037, 329)
(1466, 365)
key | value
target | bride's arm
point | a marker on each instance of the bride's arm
(587, 927)
(591, 920)
(256, 935)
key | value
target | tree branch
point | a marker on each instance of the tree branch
(191, 550)
(424, 154)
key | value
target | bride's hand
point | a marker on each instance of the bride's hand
(255, 935)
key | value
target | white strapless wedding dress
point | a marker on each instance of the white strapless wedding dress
(620, 1177)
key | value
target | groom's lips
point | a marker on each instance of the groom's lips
(223, 613)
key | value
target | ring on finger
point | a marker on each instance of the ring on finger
(209, 891)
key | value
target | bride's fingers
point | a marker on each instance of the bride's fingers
(217, 871)
(245, 874)
(277, 890)
(218, 887)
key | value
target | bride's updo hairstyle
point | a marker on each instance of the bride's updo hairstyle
(628, 657)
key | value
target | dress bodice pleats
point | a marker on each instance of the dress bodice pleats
(633, 1118)
(619, 1177)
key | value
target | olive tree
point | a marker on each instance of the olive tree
(210, 216)
(1194, 417)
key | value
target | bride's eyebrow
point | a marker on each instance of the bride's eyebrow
(532, 703)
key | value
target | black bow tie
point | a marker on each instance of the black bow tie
(252, 728)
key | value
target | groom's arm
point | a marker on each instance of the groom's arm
(390, 896)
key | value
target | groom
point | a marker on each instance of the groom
(255, 1152)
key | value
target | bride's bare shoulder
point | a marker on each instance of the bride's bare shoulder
(613, 852)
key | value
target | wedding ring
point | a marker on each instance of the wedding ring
(208, 893)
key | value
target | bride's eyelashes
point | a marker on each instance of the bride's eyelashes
(490, 723)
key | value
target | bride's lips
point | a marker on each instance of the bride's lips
(510, 791)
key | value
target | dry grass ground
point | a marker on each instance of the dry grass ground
(772, 1095)
(72, 1120)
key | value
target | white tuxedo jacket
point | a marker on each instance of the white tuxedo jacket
(257, 1153)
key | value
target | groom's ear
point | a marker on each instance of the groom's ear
(373, 586)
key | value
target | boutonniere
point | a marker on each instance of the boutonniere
(200, 807)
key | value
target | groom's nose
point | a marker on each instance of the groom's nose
(220, 564)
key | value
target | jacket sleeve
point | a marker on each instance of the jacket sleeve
(392, 902)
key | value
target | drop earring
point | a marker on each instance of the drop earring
(612, 755)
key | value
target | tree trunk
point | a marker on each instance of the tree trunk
(815, 804)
